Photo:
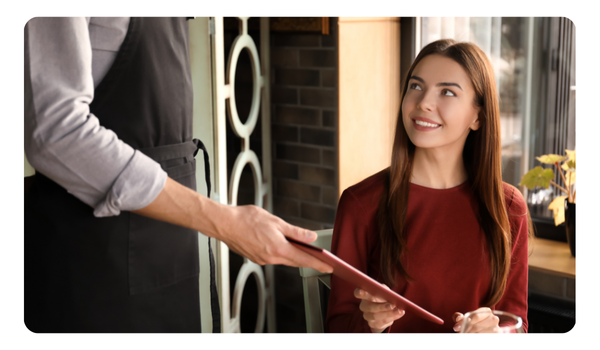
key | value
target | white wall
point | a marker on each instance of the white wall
(29, 170)
(200, 57)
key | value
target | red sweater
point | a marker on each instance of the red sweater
(447, 255)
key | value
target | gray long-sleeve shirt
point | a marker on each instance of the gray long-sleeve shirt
(65, 58)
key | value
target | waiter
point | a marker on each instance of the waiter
(111, 219)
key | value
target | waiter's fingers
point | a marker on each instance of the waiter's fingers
(292, 256)
(298, 233)
(283, 252)
(260, 236)
(295, 256)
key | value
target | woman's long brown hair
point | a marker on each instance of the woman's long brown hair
(483, 163)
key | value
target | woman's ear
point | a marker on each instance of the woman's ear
(475, 124)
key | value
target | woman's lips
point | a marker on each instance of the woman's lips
(424, 124)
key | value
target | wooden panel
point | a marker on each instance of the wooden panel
(552, 257)
(368, 19)
(369, 95)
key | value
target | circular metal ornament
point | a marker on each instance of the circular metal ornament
(246, 157)
(246, 270)
(243, 41)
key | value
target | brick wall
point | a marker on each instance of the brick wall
(304, 127)
(304, 112)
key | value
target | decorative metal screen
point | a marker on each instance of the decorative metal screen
(227, 189)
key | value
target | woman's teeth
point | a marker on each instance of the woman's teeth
(422, 123)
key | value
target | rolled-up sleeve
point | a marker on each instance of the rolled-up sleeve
(63, 140)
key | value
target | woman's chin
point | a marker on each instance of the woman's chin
(425, 144)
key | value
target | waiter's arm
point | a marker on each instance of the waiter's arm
(65, 142)
(247, 230)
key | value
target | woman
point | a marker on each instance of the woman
(438, 226)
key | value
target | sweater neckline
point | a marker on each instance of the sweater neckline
(441, 190)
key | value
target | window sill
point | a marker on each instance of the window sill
(551, 257)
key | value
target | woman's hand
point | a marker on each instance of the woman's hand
(377, 312)
(484, 322)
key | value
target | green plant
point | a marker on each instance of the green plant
(540, 177)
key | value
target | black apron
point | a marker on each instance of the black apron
(126, 273)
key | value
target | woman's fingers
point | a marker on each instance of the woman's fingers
(378, 313)
(458, 320)
(368, 306)
(383, 316)
(381, 328)
(486, 325)
(362, 294)
(379, 321)
(481, 321)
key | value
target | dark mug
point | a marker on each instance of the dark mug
(570, 225)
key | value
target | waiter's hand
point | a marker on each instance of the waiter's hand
(378, 313)
(256, 234)
(247, 230)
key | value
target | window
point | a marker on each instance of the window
(534, 63)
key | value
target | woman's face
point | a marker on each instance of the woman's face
(438, 110)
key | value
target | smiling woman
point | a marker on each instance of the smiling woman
(439, 210)
(437, 111)
(534, 67)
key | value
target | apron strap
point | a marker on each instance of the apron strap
(189, 150)
(214, 296)
(174, 151)
(200, 145)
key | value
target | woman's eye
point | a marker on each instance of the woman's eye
(415, 86)
(447, 92)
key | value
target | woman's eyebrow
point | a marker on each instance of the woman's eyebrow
(449, 84)
(417, 78)
(439, 84)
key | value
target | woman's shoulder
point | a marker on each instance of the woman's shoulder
(515, 203)
(367, 192)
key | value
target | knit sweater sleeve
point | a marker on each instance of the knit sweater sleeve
(350, 242)
(514, 299)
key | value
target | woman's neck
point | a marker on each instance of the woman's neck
(436, 168)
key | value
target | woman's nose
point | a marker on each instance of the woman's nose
(427, 102)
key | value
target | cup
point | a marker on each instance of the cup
(507, 322)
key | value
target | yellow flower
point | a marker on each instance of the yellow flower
(558, 207)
